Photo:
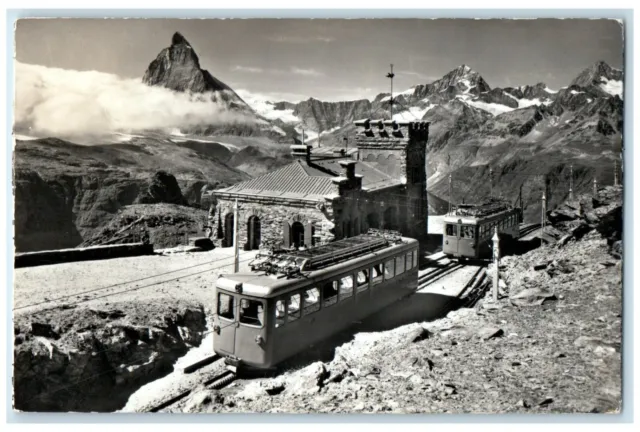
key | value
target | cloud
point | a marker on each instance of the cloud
(251, 96)
(418, 75)
(247, 69)
(305, 72)
(300, 39)
(60, 102)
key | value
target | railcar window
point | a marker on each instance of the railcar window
(376, 274)
(311, 301)
(280, 313)
(329, 293)
(452, 230)
(294, 307)
(346, 287)
(225, 306)
(362, 280)
(388, 270)
(251, 312)
(399, 265)
(409, 260)
(415, 258)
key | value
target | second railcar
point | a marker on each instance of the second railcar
(469, 229)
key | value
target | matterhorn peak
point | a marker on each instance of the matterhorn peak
(178, 39)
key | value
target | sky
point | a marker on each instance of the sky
(330, 59)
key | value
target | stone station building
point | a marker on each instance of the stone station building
(332, 193)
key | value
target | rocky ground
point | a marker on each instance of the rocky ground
(89, 334)
(552, 343)
(167, 225)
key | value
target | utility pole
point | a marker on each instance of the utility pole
(346, 144)
(615, 172)
(236, 256)
(571, 183)
(302, 136)
(450, 196)
(595, 187)
(544, 211)
(496, 262)
(390, 75)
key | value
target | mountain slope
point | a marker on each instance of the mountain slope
(65, 192)
(525, 133)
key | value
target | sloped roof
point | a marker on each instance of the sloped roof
(313, 181)
(296, 181)
(372, 177)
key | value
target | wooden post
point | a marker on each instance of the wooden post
(595, 187)
(236, 256)
(571, 183)
(496, 261)
(449, 193)
(544, 211)
(615, 172)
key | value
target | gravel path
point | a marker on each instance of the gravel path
(171, 277)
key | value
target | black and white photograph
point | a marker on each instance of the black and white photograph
(318, 216)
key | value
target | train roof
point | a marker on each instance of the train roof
(280, 271)
(488, 208)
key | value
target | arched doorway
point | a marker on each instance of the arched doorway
(228, 230)
(391, 218)
(373, 220)
(297, 234)
(253, 232)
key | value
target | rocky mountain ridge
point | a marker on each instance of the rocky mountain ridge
(529, 135)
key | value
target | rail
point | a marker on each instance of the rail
(218, 381)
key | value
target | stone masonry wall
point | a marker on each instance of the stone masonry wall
(272, 215)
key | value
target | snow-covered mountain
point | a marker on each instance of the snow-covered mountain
(530, 131)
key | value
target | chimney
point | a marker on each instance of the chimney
(302, 152)
(349, 168)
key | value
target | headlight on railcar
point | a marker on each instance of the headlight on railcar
(259, 340)
(216, 329)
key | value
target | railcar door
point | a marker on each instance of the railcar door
(251, 335)
(227, 320)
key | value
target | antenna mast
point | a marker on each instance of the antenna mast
(390, 75)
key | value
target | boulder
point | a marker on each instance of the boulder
(532, 296)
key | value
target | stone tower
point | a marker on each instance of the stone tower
(400, 149)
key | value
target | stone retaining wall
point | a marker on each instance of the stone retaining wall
(30, 259)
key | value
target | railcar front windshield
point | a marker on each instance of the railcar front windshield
(251, 312)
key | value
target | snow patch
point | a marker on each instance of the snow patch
(278, 130)
(548, 90)
(492, 108)
(613, 87)
(267, 108)
(573, 92)
(412, 114)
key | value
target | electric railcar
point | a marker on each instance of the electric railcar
(468, 229)
(294, 299)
